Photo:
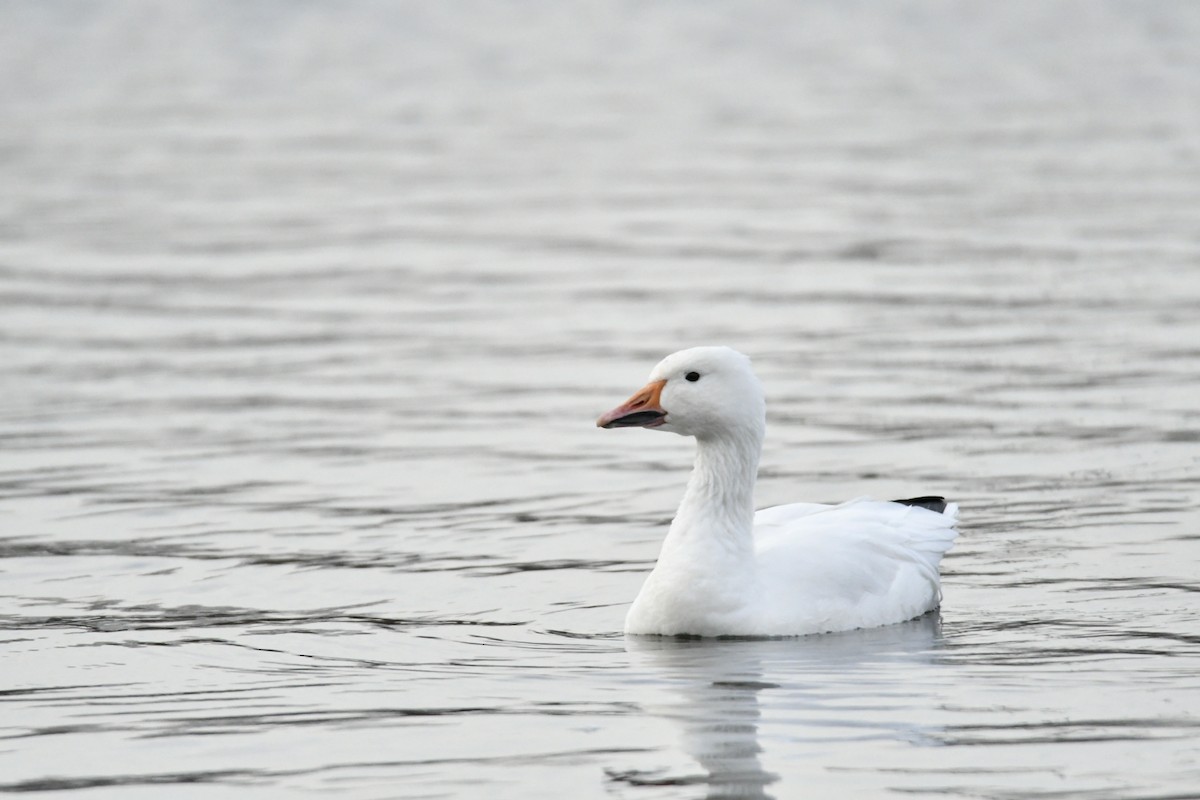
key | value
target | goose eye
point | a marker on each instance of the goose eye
(693, 376)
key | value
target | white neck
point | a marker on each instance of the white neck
(718, 506)
(707, 571)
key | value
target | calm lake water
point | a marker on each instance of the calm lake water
(306, 312)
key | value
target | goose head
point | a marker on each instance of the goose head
(706, 392)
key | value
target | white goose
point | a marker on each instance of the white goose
(791, 570)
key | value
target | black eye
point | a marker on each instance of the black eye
(693, 376)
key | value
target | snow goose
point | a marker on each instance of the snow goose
(790, 570)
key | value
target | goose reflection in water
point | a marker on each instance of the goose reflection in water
(725, 684)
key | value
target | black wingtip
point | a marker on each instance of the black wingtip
(937, 504)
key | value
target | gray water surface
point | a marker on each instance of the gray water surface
(306, 311)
